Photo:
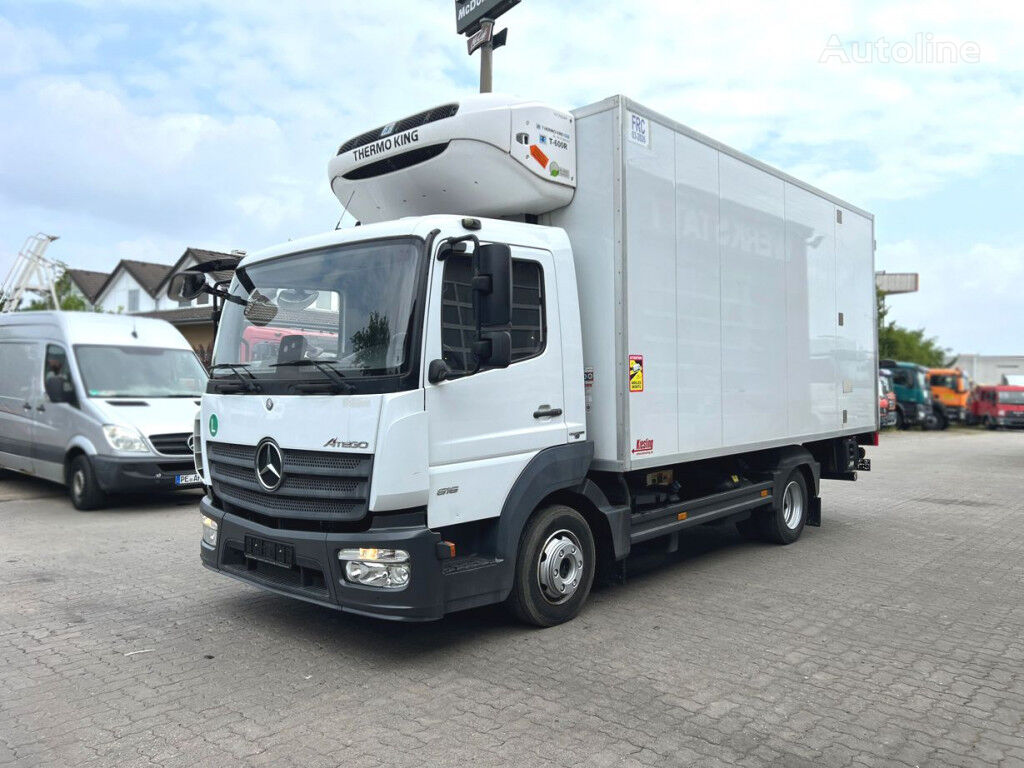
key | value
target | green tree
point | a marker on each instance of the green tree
(68, 298)
(370, 344)
(898, 343)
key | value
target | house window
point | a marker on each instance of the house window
(133, 300)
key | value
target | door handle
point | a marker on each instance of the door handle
(40, 407)
(26, 406)
(545, 411)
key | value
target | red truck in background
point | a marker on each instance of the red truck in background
(997, 406)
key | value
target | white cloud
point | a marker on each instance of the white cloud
(220, 130)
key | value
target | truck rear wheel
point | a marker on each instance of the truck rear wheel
(554, 567)
(83, 489)
(784, 522)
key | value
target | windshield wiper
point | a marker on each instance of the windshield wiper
(336, 376)
(249, 384)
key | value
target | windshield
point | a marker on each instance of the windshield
(345, 312)
(109, 371)
(947, 380)
(922, 381)
(1012, 397)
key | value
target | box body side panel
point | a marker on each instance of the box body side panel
(593, 223)
(857, 339)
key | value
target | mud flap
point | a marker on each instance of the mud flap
(814, 512)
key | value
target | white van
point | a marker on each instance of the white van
(100, 403)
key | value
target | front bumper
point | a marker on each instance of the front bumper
(116, 474)
(955, 414)
(317, 576)
(915, 413)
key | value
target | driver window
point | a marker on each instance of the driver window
(458, 322)
(56, 365)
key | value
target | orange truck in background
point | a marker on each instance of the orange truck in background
(950, 389)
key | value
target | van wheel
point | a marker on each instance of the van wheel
(85, 492)
(554, 567)
(784, 522)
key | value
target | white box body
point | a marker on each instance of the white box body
(728, 278)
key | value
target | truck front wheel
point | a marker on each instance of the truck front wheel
(784, 522)
(554, 567)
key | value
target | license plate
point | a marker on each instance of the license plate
(269, 551)
(192, 479)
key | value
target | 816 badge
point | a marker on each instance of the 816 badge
(636, 373)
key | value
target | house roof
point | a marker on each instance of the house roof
(87, 281)
(147, 274)
(183, 316)
(199, 255)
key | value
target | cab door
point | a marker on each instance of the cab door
(485, 425)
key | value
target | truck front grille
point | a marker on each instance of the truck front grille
(317, 486)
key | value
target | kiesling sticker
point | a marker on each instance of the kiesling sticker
(636, 373)
(644, 445)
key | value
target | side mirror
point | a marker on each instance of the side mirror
(492, 285)
(438, 371)
(494, 349)
(59, 390)
(185, 286)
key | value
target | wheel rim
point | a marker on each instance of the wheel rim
(560, 566)
(793, 505)
(78, 483)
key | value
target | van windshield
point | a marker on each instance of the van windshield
(340, 315)
(112, 371)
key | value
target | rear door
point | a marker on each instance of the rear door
(20, 366)
(485, 426)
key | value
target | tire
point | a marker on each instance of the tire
(785, 521)
(556, 550)
(901, 423)
(83, 489)
(989, 424)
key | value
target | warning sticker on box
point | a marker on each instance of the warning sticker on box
(636, 373)
(588, 387)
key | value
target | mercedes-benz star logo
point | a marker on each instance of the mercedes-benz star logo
(269, 404)
(191, 443)
(269, 465)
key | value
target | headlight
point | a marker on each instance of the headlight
(124, 439)
(1002, 413)
(372, 567)
(209, 531)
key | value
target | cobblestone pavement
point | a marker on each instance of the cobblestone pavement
(891, 636)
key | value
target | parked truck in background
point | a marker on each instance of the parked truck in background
(555, 336)
(914, 407)
(998, 406)
(951, 388)
(887, 413)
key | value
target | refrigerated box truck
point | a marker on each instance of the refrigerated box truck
(553, 337)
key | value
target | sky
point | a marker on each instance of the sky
(135, 128)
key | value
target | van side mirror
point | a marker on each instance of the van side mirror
(185, 286)
(59, 389)
(492, 285)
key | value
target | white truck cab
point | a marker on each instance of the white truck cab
(490, 388)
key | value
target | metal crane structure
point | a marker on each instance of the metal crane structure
(31, 271)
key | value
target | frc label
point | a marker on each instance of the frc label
(636, 373)
(639, 130)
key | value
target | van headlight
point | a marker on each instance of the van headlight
(210, 531)
(373, 567)
(124, 439)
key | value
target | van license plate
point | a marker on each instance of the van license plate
(270, 551)
(192, 479)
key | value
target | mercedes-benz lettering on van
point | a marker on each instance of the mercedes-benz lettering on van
(100, 403)
(555, 336)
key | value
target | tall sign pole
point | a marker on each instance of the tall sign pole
(475, 19)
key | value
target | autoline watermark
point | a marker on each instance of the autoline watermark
(922, 49)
